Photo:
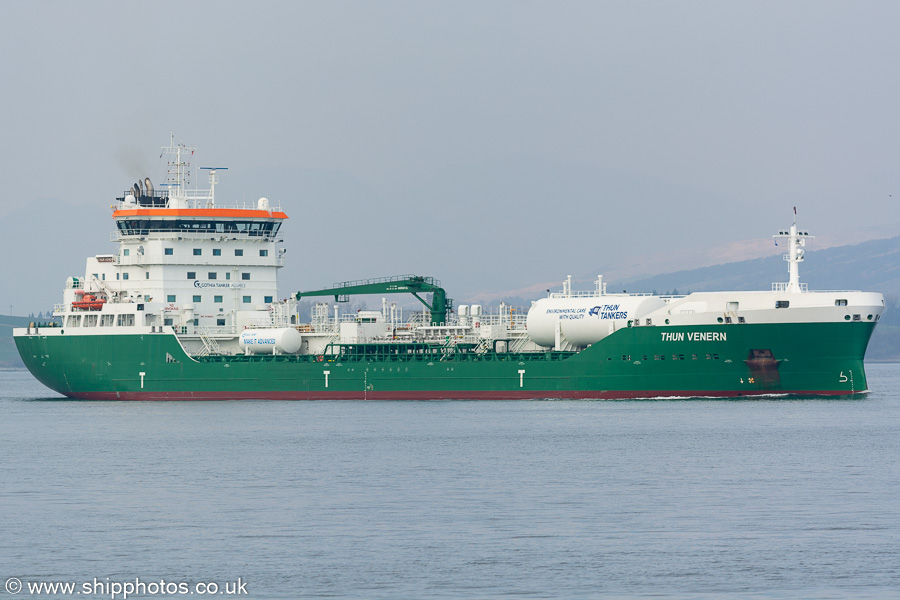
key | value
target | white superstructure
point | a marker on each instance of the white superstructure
(183, 262)
(208, 272)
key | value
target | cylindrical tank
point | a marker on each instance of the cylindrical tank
(264, 341)
(585, 320)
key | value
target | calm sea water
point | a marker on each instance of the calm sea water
(522, 499)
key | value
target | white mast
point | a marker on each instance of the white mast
(178, 172)
(213, 180)
(796, 243)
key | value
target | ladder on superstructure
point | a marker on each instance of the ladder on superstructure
(210, 344)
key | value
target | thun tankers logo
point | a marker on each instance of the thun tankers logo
(608, 311)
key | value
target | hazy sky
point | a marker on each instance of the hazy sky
(451, 133)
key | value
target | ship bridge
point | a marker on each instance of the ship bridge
(188, 261)
(235, 223)
(179, 212)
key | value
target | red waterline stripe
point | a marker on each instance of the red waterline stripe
(445, 395)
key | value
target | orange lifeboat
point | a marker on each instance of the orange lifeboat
(89, 302)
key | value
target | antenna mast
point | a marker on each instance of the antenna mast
(178, 171)
(796, 243)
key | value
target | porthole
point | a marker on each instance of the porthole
(719, 319)
(667, 321)
(846, 317)
(869, 317)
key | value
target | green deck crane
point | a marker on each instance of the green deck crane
(412, 284)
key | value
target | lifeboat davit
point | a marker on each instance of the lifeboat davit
(89, 302)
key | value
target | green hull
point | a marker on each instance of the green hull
(639, 362)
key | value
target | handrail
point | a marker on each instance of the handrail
(392, 278)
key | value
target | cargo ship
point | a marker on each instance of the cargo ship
(187, 308)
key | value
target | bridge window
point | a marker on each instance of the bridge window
(217, 252)
(168, 251)
(782, 303)
(841, 302)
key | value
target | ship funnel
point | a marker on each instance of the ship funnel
(137, 191)
(148, 186)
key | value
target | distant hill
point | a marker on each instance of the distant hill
(870, 266)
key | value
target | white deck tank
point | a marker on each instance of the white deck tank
(267, 341)
(585, 320)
